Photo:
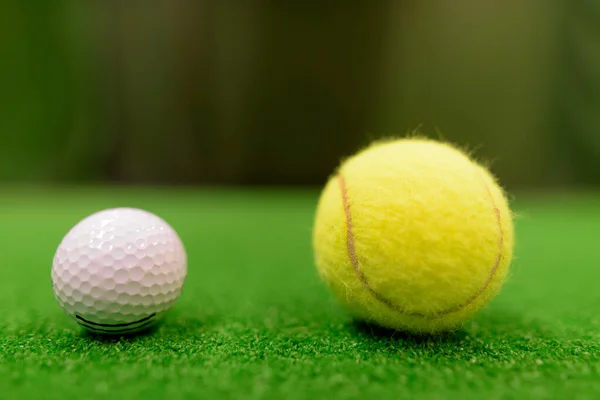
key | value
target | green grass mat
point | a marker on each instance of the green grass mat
(255, 321)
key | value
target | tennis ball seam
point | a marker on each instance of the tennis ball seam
(351, 249)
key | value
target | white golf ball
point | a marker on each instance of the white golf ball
(119, 270)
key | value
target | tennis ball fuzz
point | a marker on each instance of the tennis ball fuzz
(413, 235)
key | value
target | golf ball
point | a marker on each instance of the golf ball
(119, 270)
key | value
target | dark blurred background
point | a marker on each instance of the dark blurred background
(275, 93)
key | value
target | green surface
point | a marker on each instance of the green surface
(256, 322)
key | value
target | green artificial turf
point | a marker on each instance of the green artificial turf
(256, 322)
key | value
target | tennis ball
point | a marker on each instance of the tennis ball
(413, 235)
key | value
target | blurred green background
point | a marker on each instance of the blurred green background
(275, 93)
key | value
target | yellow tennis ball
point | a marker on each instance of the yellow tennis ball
(413, 235)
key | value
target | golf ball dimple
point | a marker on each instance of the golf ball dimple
(119, 270)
